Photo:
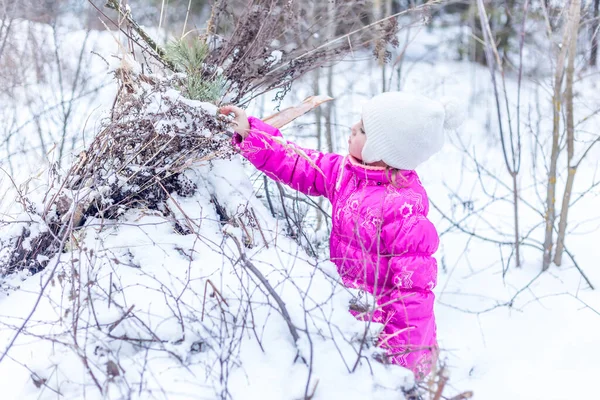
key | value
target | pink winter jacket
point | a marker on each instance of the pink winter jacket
(381, 239)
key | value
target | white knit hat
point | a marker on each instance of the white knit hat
(405, 129)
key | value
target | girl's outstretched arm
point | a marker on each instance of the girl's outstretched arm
(307, 171)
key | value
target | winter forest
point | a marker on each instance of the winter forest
(145, 255)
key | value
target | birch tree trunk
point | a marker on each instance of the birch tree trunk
(595, 26)
(574, 17)
(557, 105)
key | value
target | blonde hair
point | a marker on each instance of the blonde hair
(392, 173)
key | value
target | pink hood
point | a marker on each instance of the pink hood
(381, 239)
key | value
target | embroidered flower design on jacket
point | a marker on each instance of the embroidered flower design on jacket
(412, 209)
(403, 279)
(406, 210)
(372, 222)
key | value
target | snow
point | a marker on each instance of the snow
(504, 333)
(274, 58)
(160, 277)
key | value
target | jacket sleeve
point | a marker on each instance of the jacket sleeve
(308, 171)
(410, 240)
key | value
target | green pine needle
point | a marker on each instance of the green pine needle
(204, 90)
(189, 57)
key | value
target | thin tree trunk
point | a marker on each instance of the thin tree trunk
(319, 110)
(595, 26)
(516, 217)
(318, 114)
(551, 189)
(329, 112)
(332, 24)
(512, 153)
(570, 71)
(383, 9)
(557, 104)
(478, 50)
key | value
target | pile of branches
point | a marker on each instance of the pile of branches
(136, 160)
(154, 135)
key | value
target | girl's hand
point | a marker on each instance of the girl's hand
(240, 121)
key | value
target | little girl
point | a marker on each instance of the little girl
(381, 240)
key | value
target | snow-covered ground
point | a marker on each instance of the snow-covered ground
(142, 280)
(522, 335)
(504, 333)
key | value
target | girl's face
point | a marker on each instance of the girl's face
(357, 140)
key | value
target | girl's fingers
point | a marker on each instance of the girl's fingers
(240, 121)
(225, 110)
(230, 109)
